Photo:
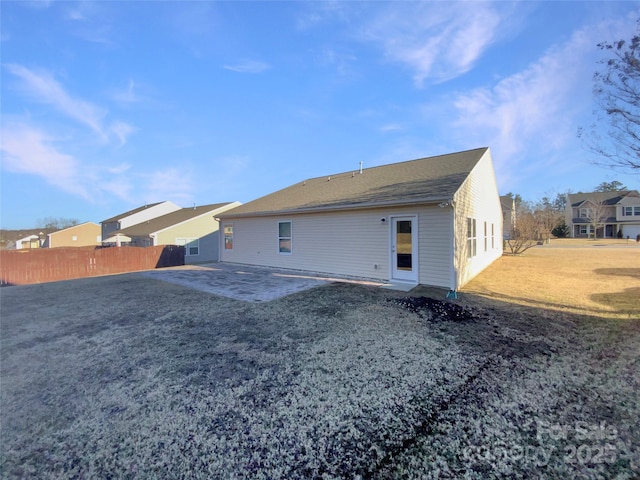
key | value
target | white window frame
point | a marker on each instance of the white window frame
(631, 211)
(226, 235)
(486, 237)
(471, 238)
(493, 237)
(290, 238)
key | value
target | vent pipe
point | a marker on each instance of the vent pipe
(360, 168)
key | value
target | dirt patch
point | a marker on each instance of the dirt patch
(437, 310)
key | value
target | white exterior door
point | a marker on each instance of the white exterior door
(404, 248)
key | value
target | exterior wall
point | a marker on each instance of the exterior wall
(83, 235)
(149, 213)
(353, 243)
(478, 199)
(204, 229)
(32, 241)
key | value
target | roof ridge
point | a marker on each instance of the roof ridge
(392, 164)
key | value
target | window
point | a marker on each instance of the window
(493, 237)
(284, 237)
(471, 237)
(228, 237)
(585, 212)
(486, 237)
(584, 229)
(631, 211)
(191, 246)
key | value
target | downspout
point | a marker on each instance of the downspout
(453, 290)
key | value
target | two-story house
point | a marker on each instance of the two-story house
(607, 214)
(111, 226)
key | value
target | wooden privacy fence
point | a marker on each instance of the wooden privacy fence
(22, 267)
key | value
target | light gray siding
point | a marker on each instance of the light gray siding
(477, 198)
(434, 225)
(352, 243)
(346, 243)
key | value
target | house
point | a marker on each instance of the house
(508, 204)
(196, 228)
(610, 214)
(434, 221)
(31, 241)
(111, 226)
(82, 235)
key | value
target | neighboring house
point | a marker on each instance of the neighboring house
(83, 235)
(32, 241)
(508, 216)
(434, 221)
(610, 214)
(113, 225)
(196, 228)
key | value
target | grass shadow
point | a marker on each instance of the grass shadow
(626, 301)
(619, 272)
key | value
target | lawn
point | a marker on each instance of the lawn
(129, 377)
(597, 278)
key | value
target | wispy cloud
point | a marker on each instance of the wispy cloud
(437, 40)
(248, 66)
(31, 151)
(391, 127)
(530, 104)
(175, 184)
(128, 95)
(44, 88)
(121, 130)
(531, 117)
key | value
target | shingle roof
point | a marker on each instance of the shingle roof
(429, 179)
(605, 198)
(169, 220)
(130, 212)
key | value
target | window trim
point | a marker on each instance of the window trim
(486, 238)
(281, 238)
(493, 237)
(225, 236)
(472, 240)
(631, 211)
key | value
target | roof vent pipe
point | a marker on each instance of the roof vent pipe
(360, 168)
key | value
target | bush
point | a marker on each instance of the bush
(561, 230)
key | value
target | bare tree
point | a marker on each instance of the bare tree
(53, 223)
(617, 92)
(527, 233)
(596, 215)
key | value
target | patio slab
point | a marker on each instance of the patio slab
(247, 282)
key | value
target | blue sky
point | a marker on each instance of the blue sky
(107, 106)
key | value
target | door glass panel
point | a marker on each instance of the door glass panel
(404, 247)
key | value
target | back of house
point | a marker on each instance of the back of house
(434, 221)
